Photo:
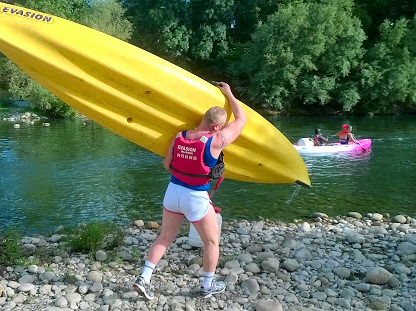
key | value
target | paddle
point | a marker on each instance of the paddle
(363, 149)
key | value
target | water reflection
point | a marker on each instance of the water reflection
(336, 164)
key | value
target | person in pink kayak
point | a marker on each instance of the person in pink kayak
(346, 136)
(190, 156)
(318, 139)
(351, 137)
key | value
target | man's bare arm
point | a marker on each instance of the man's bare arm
(167, 161)
(231, 130)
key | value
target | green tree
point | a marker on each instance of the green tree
(22, 87)
(104, 15)
(211, 23)
(193, 34)
(373, 12)
(249, 13)
(107, 16)
(303, 54)
(388, 75)
(161, 27)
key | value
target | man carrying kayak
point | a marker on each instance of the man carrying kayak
(190, 156)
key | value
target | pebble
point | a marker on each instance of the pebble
(400, 219)
(354, 262)
(26, 287)
(101, 255)
(268, 305)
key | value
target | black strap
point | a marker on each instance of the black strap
(215, 172)
(187, 174)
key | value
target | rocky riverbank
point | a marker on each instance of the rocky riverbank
(347, 263)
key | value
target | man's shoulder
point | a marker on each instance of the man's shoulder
(217, 139)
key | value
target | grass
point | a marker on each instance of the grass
(183, 230)
(69, 277)
(136, 254)
(11, 250)
(92, 237)
(12, 253)
(84, 238)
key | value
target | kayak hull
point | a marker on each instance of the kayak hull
(363, 145)
(136, 94)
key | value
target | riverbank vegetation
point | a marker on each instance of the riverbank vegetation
(84, 238)
(307, 56)
(88, 238)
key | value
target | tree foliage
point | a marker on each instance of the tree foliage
(389, 68)
(107, 16)
(374, 12)
(303, 53)
(350, 55)
(160, 26)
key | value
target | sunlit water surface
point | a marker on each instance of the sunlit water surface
(76, 171)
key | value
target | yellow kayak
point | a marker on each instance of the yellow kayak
(137, 94)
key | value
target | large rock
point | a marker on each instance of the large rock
(73, 300)
(407, 248)
(139, 223)
(47, 276)
(354, 237)
(61, 302)
(94, 276)
(400, 219)
(268, 305)
(411, 238)
(355, 215)
(270, 264)
(101, 255)
(152, 225)
(26, 279)
(245, 257)
(378, 276)
(305, 227)
(26, 287)
(343, 273)
(290, 265)
(252, 267)
(251, 286)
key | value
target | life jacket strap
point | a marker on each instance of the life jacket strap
(188, 174)
(214, 172)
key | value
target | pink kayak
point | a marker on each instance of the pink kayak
(305, 146)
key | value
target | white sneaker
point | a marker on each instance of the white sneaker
(142, 287)
(216, 288)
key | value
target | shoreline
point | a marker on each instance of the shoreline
(342, 263)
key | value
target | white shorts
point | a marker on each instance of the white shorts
(191, 203)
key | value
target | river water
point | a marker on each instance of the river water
(77, 171)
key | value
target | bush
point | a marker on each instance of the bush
(92, 237)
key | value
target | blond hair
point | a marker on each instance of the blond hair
(215, 115)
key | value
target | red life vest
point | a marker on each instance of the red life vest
(188, 160)
(343, 136)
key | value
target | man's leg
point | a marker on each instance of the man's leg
(171, 223)
(208, 229)
(170, 226)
